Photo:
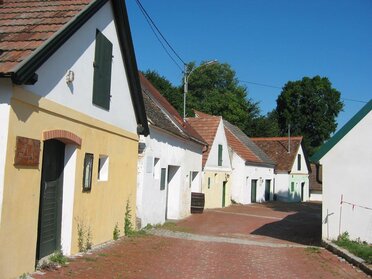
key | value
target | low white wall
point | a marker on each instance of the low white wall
(316, 196)
(171, 151)
(5, 95)
(346, 172)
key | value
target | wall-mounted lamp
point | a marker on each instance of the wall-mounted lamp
(70, 76)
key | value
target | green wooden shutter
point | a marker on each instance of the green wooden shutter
(299, 162)
(162, 178)
(102, 71)
(220, 154)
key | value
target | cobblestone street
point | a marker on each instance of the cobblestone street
(256, 241)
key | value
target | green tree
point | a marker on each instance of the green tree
(310, 106)
(172, 93)
(267, 125)
(214, 89)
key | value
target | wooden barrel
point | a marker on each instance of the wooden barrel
(197, 202)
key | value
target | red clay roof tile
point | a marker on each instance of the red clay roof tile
(26, 25)
(277, 149)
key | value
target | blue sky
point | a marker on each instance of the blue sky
(267, 42)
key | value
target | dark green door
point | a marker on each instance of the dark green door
(224, 193)
(253, 190)
(50, 210)
(267, 190)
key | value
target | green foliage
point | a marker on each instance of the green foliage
(84, 237)
(311, 107)
(172, 93)
(116, 232)
(214, 89)
(128, 226)
(360, 249)
(312, 250)
(58, 258)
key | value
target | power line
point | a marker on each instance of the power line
(277, 87)
(152, 26)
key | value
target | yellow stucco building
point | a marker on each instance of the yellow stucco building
(68, 147)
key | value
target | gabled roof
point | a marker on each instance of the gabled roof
(277, 149)
(162, 114)
(315, 177)
(342, 132)
(245, 147)
(31, 31)
(206, 125)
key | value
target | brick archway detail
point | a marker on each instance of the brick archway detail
(62, 135)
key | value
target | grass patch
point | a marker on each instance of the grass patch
(312, 250)
(171, 226)
(356, 247)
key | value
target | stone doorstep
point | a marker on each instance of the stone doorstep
(354, 260)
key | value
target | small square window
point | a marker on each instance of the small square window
(87, 175)
(156, 168)
(103, 168)
(162, 178)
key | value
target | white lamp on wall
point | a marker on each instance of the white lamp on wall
(70, 76)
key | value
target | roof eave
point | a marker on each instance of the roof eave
(25, 70)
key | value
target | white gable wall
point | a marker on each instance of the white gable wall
(347, 171)
(212, 161)
(81, 49)
(171, 151)
(304, 169)
(241, 180)
(5, 95)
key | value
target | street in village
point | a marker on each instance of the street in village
(271, 240)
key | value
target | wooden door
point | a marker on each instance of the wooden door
(50, 210)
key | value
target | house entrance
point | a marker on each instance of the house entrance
(50, 208)
(173, 187)
(267, 189)
(253, 190)
(302, 191)
(224, 193)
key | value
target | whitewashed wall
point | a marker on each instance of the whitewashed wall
(242, 177)
(282, 186)
(5, 95)
(347, 171)
(171, 151)
(80, 49)
(212, 161)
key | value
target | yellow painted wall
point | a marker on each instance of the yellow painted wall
(100, 209)
(213, 193)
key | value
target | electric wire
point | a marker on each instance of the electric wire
(152, 24)
(278, 87)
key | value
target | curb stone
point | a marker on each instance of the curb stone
(356, 261)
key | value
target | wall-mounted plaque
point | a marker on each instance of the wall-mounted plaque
(27, 152)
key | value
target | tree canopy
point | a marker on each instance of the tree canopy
(310, 106)
(213, 89)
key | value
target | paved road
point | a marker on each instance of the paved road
(274, 240)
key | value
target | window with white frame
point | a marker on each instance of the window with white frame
(103, 168)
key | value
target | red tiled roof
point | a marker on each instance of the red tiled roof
(26, 25)
(241, 149)
(277, 149)
(155, 95)
(206, 125)
(315, 178)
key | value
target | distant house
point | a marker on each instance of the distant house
(291, 167)
(216, 181)
(170, 161)
(252, 178)
(346, 160)
(70, 111)
(315, 181)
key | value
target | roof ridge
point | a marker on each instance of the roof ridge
(276, 138)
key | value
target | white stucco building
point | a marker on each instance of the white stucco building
(170, 162)
(252, 178)
(346, 160)
(291, 167)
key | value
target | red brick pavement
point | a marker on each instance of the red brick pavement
(160, 257)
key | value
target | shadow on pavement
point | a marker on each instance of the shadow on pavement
(303, 227)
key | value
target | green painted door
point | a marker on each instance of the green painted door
(267, 190)
(253, 190)
(50, 210)
(224, 193)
